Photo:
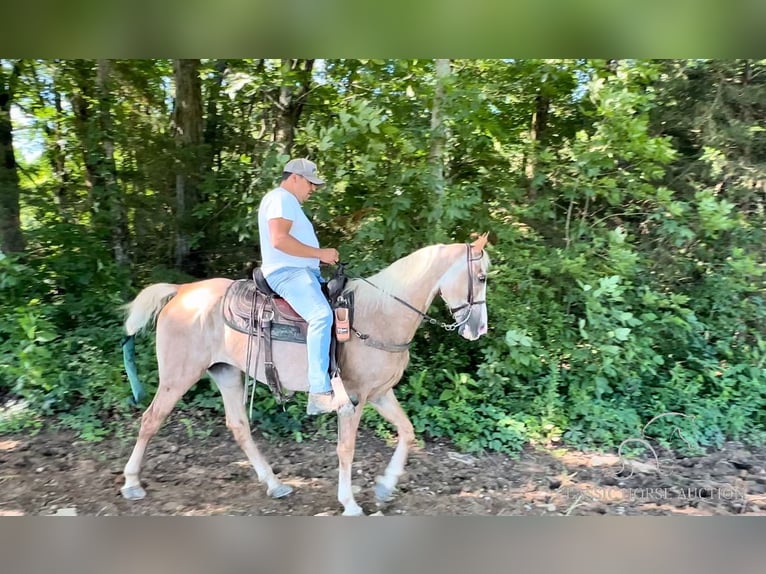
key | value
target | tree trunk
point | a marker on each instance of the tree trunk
(747, 116)
(212, 132)
(436, 156)
(54, 137)
(112, 216)
(296, 83)
(437, 149)
(58, 159)
(93, 125)
(11, 237)
(82, 94)
(537, 133)
(188, 126)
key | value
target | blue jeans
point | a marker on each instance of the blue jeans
(300, 286)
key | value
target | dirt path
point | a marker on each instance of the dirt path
(52, 473)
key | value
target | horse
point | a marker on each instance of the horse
(389, 306)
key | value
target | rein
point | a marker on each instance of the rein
(398, 348)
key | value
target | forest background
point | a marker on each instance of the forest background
(625, 200)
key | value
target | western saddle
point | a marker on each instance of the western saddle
(250, 306)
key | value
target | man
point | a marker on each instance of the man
(290, 255)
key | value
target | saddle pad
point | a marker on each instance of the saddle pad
(238, 310)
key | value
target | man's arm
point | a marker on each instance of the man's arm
(279, 232)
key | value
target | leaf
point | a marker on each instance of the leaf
(514, 338)
(583, 333)
(602, 386)
(622, 333)
(610, 349)
(45, 336)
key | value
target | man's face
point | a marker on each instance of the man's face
(304, 188)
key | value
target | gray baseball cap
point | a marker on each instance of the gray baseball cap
(305, 168)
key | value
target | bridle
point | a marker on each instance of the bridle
(468, 304)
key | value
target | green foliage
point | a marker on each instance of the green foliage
(648, 303)
(625, 200)
(468, 414)
(18, 417)
(57, 347)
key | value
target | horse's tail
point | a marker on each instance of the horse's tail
(144, 308)
(142, 311)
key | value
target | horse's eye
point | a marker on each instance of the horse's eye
(482, 278)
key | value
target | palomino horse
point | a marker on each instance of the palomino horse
(388, 308)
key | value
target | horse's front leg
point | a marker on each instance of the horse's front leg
(347, 428)
(390, 409)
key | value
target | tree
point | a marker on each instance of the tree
(11, 237)
(436, 157)
(296, 83)
(44, 87)
(113, 215)
(188, 130)
(92, 101)
(213, 133)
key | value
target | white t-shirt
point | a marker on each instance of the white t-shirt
(281, 203)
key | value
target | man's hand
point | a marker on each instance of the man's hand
(329, 255)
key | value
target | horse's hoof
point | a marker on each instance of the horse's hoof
(280, 491)
(133, 493)
(383, 493)
(353, 511)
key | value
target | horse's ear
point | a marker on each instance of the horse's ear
(481, 242)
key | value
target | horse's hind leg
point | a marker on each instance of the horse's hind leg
(169, 392)
(229, 382)
(390, 409)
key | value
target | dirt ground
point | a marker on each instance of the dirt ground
(186, 473)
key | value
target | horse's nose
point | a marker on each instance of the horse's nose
(468, 332)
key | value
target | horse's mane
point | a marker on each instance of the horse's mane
(401, 274)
